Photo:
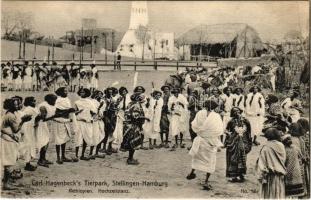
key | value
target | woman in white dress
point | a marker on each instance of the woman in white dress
(255, 111)
(10, 127)
(84, 123)
(62, 125)
(28, 139)
(43, 136)
(208, 126)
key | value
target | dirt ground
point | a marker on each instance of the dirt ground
(164, 169)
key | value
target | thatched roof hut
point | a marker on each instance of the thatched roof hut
(222, 40)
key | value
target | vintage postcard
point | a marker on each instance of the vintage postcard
(155, 99)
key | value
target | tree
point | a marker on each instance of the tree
(14, 22)
(8, 24)
(143, 36)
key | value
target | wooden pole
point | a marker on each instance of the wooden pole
(82, 43)
(20, 46)
(91, 56)
(24, 44)
(35, 47)
(53, 48)
(49, 50)
(105, 35)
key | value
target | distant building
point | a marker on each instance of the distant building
(220, 41)
(98, 39)
(141, 42)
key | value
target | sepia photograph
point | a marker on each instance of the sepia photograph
(155, 99)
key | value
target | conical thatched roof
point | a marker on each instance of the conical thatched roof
(218, 33)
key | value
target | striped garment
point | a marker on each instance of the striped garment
(293, 179)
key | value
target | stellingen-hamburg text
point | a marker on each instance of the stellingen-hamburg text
(140, 183)
(93, 183)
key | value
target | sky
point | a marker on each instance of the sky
(271, 19)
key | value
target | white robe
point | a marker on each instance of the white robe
(255, 113)
(292, 112)
(94, 80)
(157, 105)
(98, 124)
(28, 78)
(228, 103)
(85, 128)
(43, 136)
(204, 147)
(178, 123)
(148, 125)
(29, 140)
(62, 127)
(117, 135)
(236, 99)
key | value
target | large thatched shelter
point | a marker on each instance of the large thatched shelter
(222, 40)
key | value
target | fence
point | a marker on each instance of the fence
(103, 65)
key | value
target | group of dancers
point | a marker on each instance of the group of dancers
(112, 120)
(46, 77)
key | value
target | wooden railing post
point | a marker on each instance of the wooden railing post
(155, 65)
(135, 65)
(177, 65)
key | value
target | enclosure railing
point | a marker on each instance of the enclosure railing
(126, 64)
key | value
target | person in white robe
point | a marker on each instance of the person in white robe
(10, 127)
(28, 150)
(148, 125)
(62, 125)
(177, 106)
(94, 78)
(10, 80)
(84, 118)
(35, 78)
(98, 123)
(28, 78)
(227, 98)
(124, 102)
(18, 82)
(255, 111)
(239, 99)
(156, 103)
(208, 126)
(292, 106)
(42, 131)
(23, 147)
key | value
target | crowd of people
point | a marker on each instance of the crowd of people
(112, 120)
(46, 77)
